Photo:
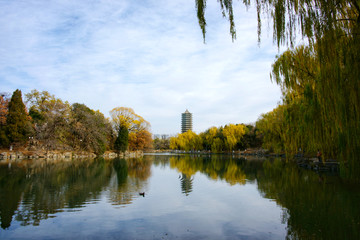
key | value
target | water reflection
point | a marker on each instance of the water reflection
(131, 175)
(311, 206)
(35, 190)
(315, 207)
(186, 184)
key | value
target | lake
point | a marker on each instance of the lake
(185, 197)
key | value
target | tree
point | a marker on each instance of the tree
(138, 128)
(233, 135)
(121, 142)
(161, 143)
(313, 18)
(51, 118)
(140, 140)
(4, 101)
(186, 141)
(89, 129)
(326, 70)
(252, 138)
(271, 126)
(126, 117)
(17, 122)
(209, 137)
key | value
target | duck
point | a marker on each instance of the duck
(142, 194)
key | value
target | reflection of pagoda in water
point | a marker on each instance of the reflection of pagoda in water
(186, 184)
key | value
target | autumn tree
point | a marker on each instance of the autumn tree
(139, 135)
(161, 143)
(325, 70)
(225, 138)
(51, 117)
(18, 126)
(140, 140)
(313, 19)
(126, 117)
(89, 129)
(271, 126)
(212, 139)
(252, 137)
(186, 141)
(233, 135)
(4, 101)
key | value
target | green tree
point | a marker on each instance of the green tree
(122, 140)
(17, 122)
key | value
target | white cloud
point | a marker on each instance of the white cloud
(149, 56)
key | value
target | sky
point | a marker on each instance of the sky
(148, 55)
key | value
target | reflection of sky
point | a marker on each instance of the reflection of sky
(213, 210)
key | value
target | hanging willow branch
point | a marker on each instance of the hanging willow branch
(313, 17)
(227, 12)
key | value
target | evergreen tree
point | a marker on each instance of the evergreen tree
(17, 123)
(122, 140)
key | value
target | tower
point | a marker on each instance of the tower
(186, 121)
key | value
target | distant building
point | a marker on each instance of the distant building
(161, 136)
(186, 121)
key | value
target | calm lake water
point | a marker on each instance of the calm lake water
(186, 197)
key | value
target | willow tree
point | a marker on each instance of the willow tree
(332, 31)
(187, 141)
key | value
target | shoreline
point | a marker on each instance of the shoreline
(6, 155)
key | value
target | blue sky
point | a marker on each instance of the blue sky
(148, 55)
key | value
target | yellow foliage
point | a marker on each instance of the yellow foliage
(126, 117)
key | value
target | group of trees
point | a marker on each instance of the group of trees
(132, 126)
(162, 143)
(320, 80)
(52, 124)
(228, 138)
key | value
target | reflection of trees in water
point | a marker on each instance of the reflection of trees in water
(158, 160)
(37, 190)
(132, 175)
(53, 187)
(12, 183)
(215, 167)
(139, 168)
(186, 184)
(315, 207)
